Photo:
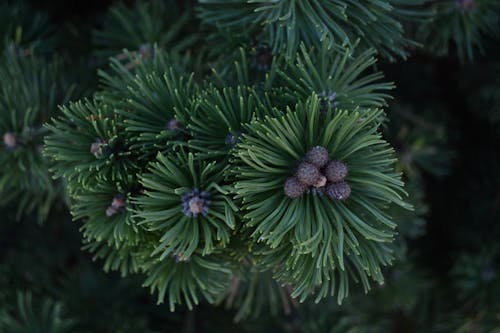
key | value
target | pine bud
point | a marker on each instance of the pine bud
(233, 138)
(336, 171)
(119, 201)
(327, 101)
(179, 257)
(173, 124)
(10, 140)
(338, 191)
(97, 148)
(195, 203)
(317, 156)
(293, 188)
(307, 173)
(118, 205)
(146, 51)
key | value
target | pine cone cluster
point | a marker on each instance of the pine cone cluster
(318, 172)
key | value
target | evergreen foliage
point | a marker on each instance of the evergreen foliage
(461, 24)
(204, 220)
(254, 294)
(347, 244)
(30, 91)
(341, 80)
(94, 147)
(27, 319)
(140, 27)
(424, 150)
(88, 143)
(248, 159)
(23, 27)
(285, 24)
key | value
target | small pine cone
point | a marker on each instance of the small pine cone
(293, 188)
(338, 191)
(307, 173)
(336, 171)
(317, 156)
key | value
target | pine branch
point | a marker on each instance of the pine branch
(354, 241)
(140, 27)
(87, 143)
(220, 117)
(183, 203)
(461, 25)
(47, 318)
(285, 23)
(181, 227)
(27, 29)
(339, 79)
(30, 91)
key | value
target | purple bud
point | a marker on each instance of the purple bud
(10, 141)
